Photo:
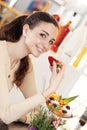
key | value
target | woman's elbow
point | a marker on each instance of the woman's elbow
(6, 120)
(6, 117)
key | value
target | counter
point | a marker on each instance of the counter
(13, 126)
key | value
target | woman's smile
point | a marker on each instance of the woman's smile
(40, 49)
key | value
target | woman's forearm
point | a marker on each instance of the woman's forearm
(14, 111)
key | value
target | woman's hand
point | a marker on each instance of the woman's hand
(56, 78)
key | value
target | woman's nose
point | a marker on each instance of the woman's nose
(46, 46)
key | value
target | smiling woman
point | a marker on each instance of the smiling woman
(23, 36)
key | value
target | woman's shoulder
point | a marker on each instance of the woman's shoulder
(2, 43)
(3, 50)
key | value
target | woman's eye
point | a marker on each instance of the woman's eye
(43, 35)
(51, 42)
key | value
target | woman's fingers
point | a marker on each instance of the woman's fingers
(57, 77)
(54, 68)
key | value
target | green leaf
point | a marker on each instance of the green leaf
(67, 100)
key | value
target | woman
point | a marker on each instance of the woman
(23, 36)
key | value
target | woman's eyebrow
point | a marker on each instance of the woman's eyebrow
(46, 32)
(53, 40)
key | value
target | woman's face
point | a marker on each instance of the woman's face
(39, 39)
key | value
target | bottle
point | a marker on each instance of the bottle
(75, 20)
(80, 56)
(82, 121)
(63, 31)
(83, 118)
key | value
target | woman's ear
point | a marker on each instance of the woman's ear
(25, 29)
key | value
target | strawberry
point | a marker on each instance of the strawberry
(51, 59)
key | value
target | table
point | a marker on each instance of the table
(13, 126)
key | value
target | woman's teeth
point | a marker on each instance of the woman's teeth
(40, 50)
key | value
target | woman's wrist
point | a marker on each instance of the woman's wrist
(47, 92)
(22, 119)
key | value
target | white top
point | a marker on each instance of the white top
(9, 111)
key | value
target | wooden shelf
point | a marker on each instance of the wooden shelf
(9, 13)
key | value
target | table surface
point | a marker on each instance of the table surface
(13, 126)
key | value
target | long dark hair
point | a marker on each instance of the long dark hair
(13, 31)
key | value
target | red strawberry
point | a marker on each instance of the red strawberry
(51, 59)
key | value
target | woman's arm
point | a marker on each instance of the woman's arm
(28, 86)
(11, 112)
(55, 80)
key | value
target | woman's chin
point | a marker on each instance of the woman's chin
(37, 55)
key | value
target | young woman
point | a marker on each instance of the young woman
(23, 36)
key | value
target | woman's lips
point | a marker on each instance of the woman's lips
(41, 50)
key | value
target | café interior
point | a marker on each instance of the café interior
(72, 51)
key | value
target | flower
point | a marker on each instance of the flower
(30, 127)
(45, 120)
